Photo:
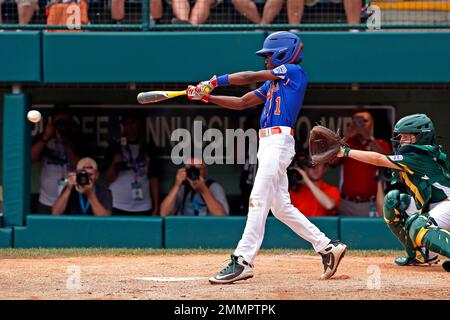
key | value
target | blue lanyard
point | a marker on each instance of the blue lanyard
(84, 205)
(198, 202)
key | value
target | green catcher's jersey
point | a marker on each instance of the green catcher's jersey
(425, 173)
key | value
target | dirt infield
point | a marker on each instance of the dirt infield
(285, 275)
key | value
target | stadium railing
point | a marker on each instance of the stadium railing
(319, 15)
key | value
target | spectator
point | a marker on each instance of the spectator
(295, 10)
(25, 10)
(118, 10)
(249, 9)
(131, 170)
(197, 15)
(358, 199)
(194, 194)
(309, 193)
(58, 149)
(82, 194)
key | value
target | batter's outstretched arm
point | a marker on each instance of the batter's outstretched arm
(370, 157)
(237, 103)
(248, 77)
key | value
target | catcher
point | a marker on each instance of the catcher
(421, 225)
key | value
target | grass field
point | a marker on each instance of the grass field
(182, 274)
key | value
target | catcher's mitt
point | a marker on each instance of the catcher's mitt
(324, 144)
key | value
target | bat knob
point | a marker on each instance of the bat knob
(140, 98)
(207, 89)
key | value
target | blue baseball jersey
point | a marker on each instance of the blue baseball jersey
(284, 97)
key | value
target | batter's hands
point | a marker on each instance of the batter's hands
(195, 93)
(208, 86)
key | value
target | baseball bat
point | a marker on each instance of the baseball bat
(157, 96)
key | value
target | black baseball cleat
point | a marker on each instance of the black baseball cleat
(237, 269)
(408, 261)
(331, 257)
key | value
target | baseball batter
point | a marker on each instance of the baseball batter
(282, 94)
(422, 225)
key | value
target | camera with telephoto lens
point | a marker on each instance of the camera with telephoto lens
(82, 178)
(193, 173)
(294, 176)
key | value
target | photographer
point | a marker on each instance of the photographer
(131, 170)
(82, 195)
(309, 193)
(359, 199)
(193, 194)
(58, 149)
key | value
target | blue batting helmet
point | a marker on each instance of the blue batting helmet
(285, 47)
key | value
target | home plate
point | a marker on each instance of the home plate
(171, 279)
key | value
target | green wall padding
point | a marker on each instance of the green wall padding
(6, 237)
(329, 57)
(78, 231)
(377, 57)
(203, 232)
(367, 234)
(16, 159)
(225, 232)
(148, 57)
(278, 235)
(20, 56)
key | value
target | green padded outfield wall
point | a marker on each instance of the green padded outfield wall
(278, 235)
(329, 57)
(100, 232)
(203, 232)
(16, 159)
(20, 56)
(6, 238)
(225, 232)
(147, 57)
(367, 234)
(377, 57)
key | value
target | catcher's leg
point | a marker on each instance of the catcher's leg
(424, 232)
(395, 209)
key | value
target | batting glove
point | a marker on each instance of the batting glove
(208, 86)
(195, 93)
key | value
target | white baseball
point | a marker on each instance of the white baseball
(34, 116)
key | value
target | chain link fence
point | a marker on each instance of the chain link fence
(224, 14)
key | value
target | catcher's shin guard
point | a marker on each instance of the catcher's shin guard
(394, 208)
(425, 233)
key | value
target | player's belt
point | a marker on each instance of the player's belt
(275, 130)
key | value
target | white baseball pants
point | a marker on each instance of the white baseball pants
(270, 191)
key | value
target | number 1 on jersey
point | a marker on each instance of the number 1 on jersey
(277, 107)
